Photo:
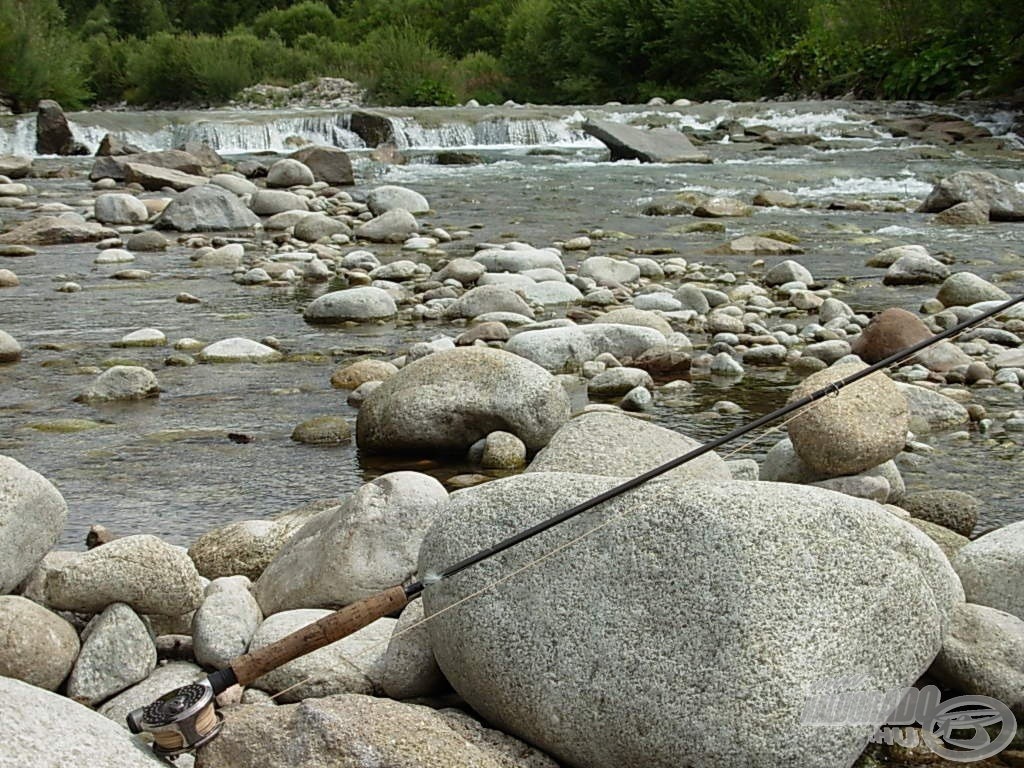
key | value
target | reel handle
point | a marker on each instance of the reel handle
(337, 625)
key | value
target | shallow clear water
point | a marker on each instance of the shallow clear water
(166, 466)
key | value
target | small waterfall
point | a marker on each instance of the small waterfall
(494, 132)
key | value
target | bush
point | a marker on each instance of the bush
(39, 58)
(400, 65)
(289, 24)
(480, 76)
(108, 67)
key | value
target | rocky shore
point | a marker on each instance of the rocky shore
(690, 628)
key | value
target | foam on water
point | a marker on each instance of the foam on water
(903, 186)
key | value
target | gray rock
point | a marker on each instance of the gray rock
(163, 679)
(862, 486)
(267, 202)
(328, 164)
(636, 400)
(828, 351)
(568, 347)
(361, 304)
(32, 517)
(638, 317)
(931, 411)
(787, 272)
(503, 450)
(449, 400)
(964, 214)
(40, 728)
(36, 645)
(362, 371)
(744, 469)
(724, 364)
(56, 230)
(552, 294)
(149, 575)
(289, 173)
(154, 178)
(657, 145)
(1004, 201)
(351, 731)
(409, 670)
(949, 541)
(117, 651)
(519, 260)
(608, 271)
(769, 354)
(955, 510)
(244, 548)
(122, 382)
(238, 185)
(147, 241)
(723, 565)
(390, 197)
(323, 430)
(226, 621)
(208, 208)
(617, 445)
(618, 381)
(862, 426)
(886, 258)
(992, 569)
(466, 271)
(488, 298)
(962, 289)
(984, 655)
(318, 226)
(238, 350)
(119, 208)
(354, 550)
(915, 269)
(15, 166)
(324, 672)
(393, 226)
(722, 207)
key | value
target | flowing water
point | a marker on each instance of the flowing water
(166, 466)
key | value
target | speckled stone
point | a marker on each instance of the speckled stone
(705, 604)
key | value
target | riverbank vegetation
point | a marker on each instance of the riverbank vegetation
(426, 52)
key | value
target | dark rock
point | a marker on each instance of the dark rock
(955, 510)
(372, 128)
(53, 134)
(252, 169)
(203, 152)
(888, 333)
(328, 164)
(458, 158)
(112, 145)
(658, 145)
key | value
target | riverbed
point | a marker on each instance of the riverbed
(166, 466)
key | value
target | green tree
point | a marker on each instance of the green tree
(39, 57)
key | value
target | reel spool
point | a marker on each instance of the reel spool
(180, 721)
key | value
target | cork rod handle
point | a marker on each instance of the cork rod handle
(339, 624)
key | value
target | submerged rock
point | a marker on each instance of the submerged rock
(722, 565)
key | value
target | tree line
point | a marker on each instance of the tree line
(438, 52)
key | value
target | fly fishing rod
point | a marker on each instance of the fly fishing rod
(186, 718)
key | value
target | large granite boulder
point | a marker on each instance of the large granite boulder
(121, 382)
(353, 731)
(206, 208)
(962, 289)
(328, 164)
(1004, 200)
(448, 400)
(346, 553)
(56, 230)
(390, 197)
(618, 445)
(289, 172)
(721, 606)
(40, 728)
(36, 645)
(992, 569)
(889, 332)
(172, 159)
(120, 208)
(15, 166)
(32, 516)
(151, 576)
(154, 178)
(657, 145)
(932, 411)
(863, 425)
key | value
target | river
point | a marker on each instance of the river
(166, 466)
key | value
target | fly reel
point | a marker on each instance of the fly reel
(180, 721)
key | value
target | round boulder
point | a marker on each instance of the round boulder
(862, 426)
(889, 332)
(120, 208)
(206, 208)
(961, 289)
(238, 350)
(358, 373)
(36, 645)
(390, 197)
(10, 349)
(32, 516)
(289, 173)
(117, 651)
(992, 569)
(122, 382)
(693, 588)
(448, 400)
(361, 304)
